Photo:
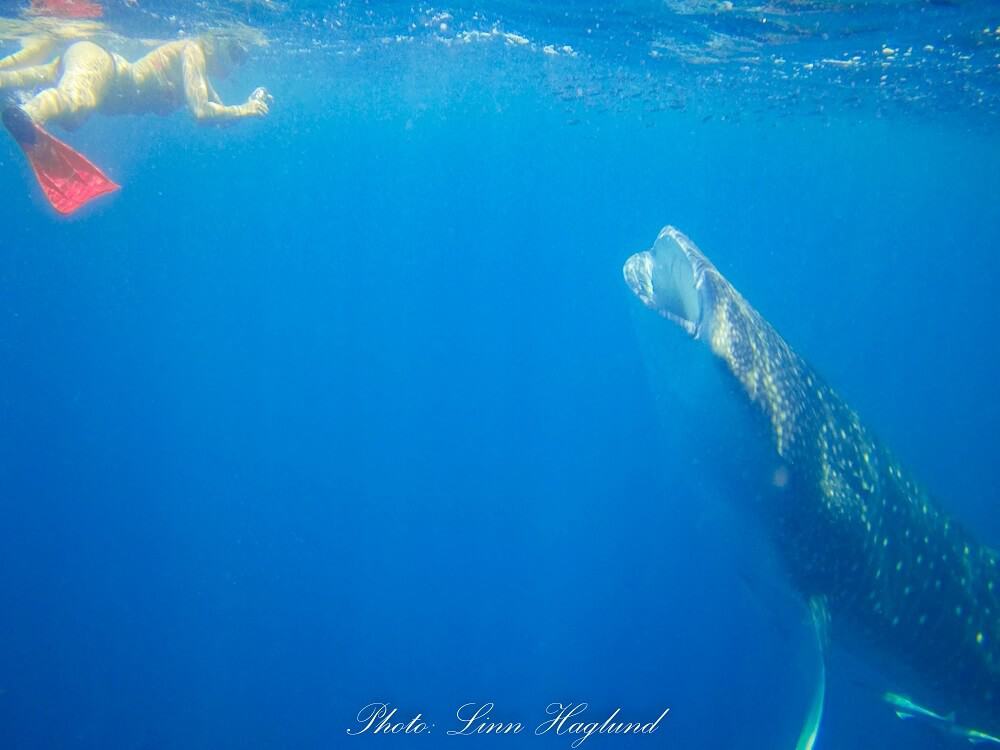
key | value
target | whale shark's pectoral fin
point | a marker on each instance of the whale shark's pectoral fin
(907, 708)
(820, 623)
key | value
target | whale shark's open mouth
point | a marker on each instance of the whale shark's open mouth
(668, 278)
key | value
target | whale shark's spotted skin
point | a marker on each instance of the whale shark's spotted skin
(852, 525)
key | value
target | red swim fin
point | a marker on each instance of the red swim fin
(67, 8)
(66, 177)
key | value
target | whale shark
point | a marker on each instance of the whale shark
(884, 569)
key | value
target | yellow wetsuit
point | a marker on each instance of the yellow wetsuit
(24, 69)
(88, 78)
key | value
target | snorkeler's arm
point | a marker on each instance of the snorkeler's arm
(199, 92)
(213, 95)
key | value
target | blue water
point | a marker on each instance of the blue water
(351, 404)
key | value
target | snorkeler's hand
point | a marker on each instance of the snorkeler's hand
(259, 103)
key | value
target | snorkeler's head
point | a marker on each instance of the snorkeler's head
(236, 51)
(223, 53)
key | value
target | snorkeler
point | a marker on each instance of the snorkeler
(87, 78)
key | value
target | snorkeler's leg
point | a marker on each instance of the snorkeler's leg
(34, 51)
(27, 68)
(88, 71)
(66, 177)
(31, 77)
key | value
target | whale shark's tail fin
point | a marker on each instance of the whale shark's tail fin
(820, 623)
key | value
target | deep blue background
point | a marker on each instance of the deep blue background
(350, 404)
